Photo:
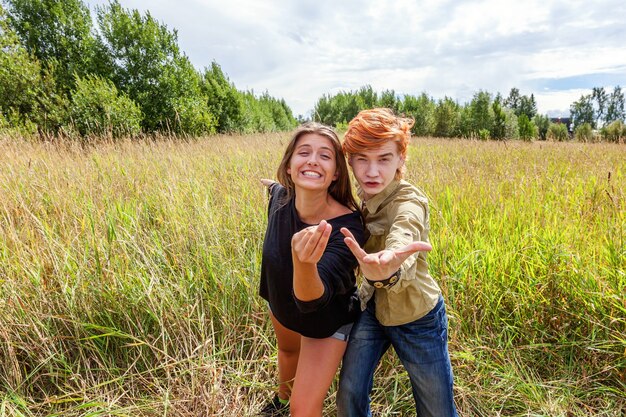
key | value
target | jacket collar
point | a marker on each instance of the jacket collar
(374, 203)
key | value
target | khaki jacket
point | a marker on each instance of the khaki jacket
(394, 218)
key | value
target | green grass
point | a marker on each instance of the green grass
(129, 274)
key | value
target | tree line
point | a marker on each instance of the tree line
(598, 115)
(61, 73)
(125, 75)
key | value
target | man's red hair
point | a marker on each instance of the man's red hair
(371, 129)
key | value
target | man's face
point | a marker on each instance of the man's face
(375, 169)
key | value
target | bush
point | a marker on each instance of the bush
(614, 132)
(193, 117)
(98, 109)
(584, 133)
(557, 132)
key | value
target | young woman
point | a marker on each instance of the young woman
(307, 271)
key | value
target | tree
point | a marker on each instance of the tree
(57, 33)
(366, 97)
(422, 110)
(600, 98)
(528, 107)
(224, 101)
(615, 106)
(527, 129)
(28, 91)
(513, 101)
(480, 115)
(148, 66)
(498, 130)
(98, 109)
(543, 123)
(581, 111)
(446, 115)
(389, 100)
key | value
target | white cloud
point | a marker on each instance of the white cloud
(303, 49)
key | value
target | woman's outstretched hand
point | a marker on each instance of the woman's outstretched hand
(381, 265)
(308, 245)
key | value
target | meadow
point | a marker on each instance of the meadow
(129, 275)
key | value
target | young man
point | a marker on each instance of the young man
(403, 303)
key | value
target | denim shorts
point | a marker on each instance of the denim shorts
(343, 333)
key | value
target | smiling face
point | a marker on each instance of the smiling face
(313, 164)
(375, 169)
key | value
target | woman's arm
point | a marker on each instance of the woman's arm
(307, 248)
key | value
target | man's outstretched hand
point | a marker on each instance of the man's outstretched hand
(381, 265)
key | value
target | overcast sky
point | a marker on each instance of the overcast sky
(300, 50)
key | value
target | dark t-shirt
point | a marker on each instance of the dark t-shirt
(339, 304)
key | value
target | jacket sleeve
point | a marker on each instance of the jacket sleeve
(407, 227)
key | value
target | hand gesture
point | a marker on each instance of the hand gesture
(308, 245)
(381, 265)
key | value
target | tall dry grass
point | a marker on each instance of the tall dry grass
(129, 273)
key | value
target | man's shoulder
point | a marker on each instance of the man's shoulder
(407, 195)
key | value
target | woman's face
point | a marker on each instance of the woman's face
(313, 165)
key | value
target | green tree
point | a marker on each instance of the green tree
(98, 109)
(511, 127)
(388, 99)
(366, 97)
(446, 115)
(323, 110)
(28, 92)
(58, 34)
(498, 130)
(600, 98)
(147, 65)
(513, 101)
(527, 129)
(615, 106)
(20, 74)
(542, 122)
(521, 104)
(480, 115)
(224, 101)
(528, 106)
(422, 110)
(581, 111)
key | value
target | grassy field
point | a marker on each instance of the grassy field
(129, 274)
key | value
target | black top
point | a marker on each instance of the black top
(339, 304)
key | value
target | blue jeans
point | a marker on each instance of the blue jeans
(422, 347)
